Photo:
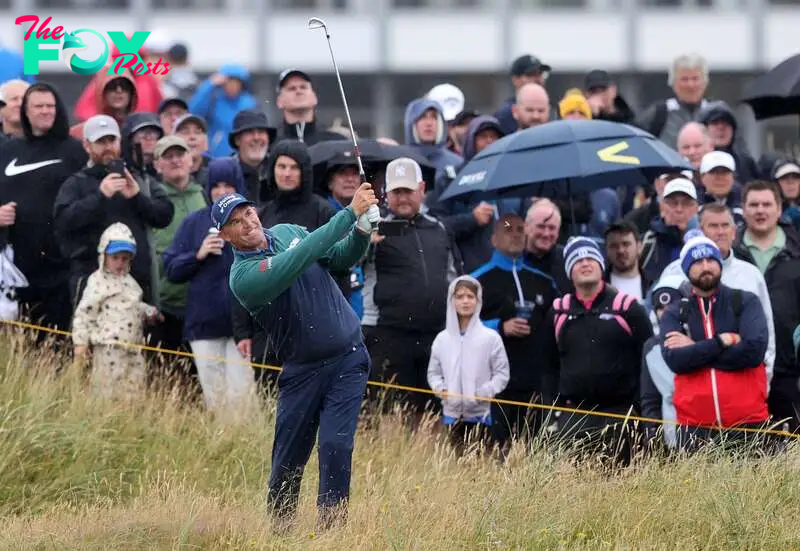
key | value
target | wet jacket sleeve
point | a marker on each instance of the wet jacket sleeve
(763, 298)
(499, 368)
(258, 281)
(348, 252)
(243, 326)
(73, 211)
(641, 326)
(688, 358)
(751, 350)
(550, 360)
(84, 323)
(180, 258)
(435, 372)
(156, 210)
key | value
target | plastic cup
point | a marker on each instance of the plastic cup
(525, 309)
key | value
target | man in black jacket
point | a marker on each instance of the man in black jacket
(33, 169)
(405, 288)
(775, 250)
(96, 197)
(593, 352)
(516, 298)
(297, 101)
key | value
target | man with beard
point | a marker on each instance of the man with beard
(623, 247)
(715, 342)
(99, 195)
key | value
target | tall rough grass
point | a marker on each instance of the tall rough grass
(78, 473)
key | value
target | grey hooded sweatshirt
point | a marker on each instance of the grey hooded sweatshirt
(471, 365)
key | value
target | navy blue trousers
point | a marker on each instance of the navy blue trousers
(324, 397)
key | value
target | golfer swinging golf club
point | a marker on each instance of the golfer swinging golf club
(281, 276)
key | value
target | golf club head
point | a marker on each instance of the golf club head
(316, 23)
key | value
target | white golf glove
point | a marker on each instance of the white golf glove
(368, 222)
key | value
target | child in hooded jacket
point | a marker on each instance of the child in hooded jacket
(110, 316)
(468, 361)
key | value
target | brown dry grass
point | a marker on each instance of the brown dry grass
(76, 473)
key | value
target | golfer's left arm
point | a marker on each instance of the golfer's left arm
(349, 251)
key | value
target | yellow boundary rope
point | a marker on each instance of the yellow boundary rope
(554, 408)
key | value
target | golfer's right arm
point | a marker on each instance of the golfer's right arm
(259, 280)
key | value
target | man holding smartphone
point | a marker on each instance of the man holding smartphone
(100, 194)
(406, 276)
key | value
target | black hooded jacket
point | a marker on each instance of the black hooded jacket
(256, 181)
(133, 154)
(32, 170)
(300, 206)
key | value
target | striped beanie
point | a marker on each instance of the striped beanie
(696, 249)
(581, 247)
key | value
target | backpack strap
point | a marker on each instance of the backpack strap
(561, 308)
(659, 119)
(620, 305)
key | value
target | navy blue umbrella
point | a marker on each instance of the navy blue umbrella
(563, 158)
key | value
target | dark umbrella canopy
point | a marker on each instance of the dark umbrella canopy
(777, 92)
(562, 158)
(374, 154)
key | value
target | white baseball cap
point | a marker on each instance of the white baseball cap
(681, 185)
(717, 159)
(450, 97)
(403, 173)
(100, 126)
(786, 169)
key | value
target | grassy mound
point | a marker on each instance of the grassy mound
(78, 473)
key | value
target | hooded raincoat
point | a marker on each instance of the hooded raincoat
(111, 310)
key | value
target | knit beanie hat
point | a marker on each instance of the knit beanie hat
(581, 247)
(574, 101)
(696, 249)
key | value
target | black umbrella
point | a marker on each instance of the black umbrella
(777, 92)
(375, 155)
(565, 157)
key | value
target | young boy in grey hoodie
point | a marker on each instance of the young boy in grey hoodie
(468, 362)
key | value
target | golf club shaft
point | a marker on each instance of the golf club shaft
(346, 109)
